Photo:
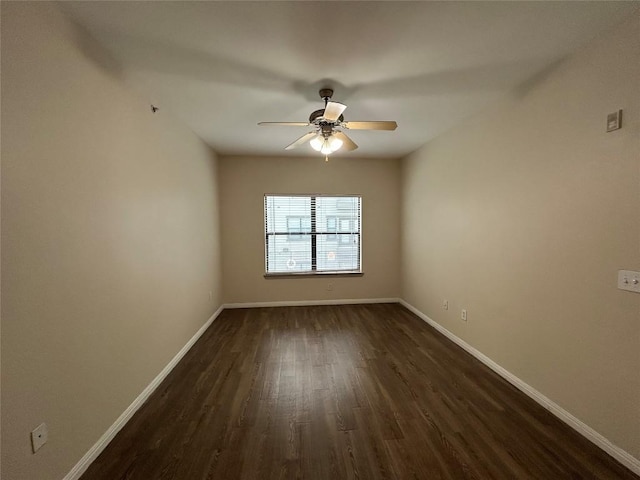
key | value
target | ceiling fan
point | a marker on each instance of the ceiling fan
(327, 123)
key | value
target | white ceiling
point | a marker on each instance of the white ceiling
(221, 67)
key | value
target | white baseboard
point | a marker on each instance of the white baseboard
(619, 454)
(616, 452)
(297, 303)
(100, 445)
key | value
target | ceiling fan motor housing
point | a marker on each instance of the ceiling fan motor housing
(318, 114)
(315, 115)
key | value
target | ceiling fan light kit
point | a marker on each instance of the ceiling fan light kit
(326, 145)
(327, 136)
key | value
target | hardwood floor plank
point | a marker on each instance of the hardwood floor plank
(341, 392)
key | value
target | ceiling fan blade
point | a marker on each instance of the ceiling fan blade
(333, 110)
(284, 124)
(305, 138)
(347, 143)
(370, 125)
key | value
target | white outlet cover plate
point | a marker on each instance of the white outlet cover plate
(629, 280)
(39, 437)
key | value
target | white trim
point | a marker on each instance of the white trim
(616, 452)
(303, 303)
(589, 433)
(100, 445)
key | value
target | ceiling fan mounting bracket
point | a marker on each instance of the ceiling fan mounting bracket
(326, 93)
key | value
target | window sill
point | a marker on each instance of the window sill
(312, 274)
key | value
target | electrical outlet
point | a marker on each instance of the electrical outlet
(210, 296)
(329, 287)
(463, 315)
(445, 304)
(39, 437)
(629, 280)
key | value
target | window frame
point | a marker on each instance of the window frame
(295, 235)
(313, 233)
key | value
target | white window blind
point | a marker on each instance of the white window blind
(309, 234)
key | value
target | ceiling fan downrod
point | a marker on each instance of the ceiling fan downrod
(326, 94)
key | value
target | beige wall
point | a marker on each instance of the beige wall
(243, 183)
(523, 215)
(109, 237)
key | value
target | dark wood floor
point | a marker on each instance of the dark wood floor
(341, 392)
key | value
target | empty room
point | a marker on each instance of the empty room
(320, 240)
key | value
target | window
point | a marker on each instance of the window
(312, 234)
(332, 227)
(298, 226)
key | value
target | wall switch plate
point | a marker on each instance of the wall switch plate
(463, 315)
(39, 437)
(614, 121)
(629, 280)
(445, 304)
